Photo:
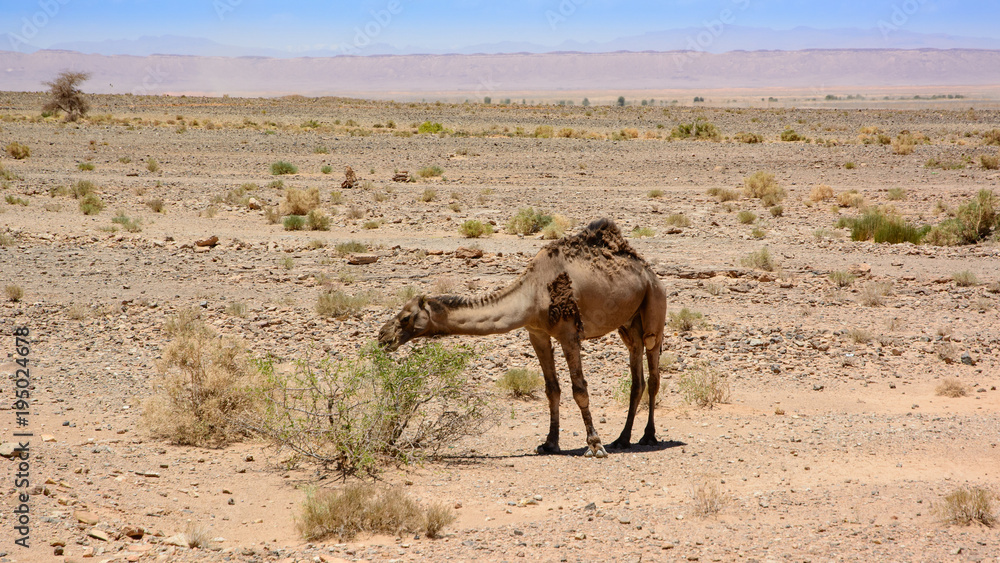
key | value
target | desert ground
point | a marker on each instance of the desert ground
(834, 445)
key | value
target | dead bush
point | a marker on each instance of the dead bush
(820, 192)
(209, 385)
(952, 387)
(969, 505)
(65, 95)
(299, 202)
(361, 507)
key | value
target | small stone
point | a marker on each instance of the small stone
(252, 203)
(466, 252)
(624, 520)
(357, 259)
(818, 387)
(48, 438)
(98, 534)
(134, 532)
(85, 517)
(209, 242)
(178, 540)
(7, 449)
(967, 359)
(231, 502)
(248, 457)
(580, 536)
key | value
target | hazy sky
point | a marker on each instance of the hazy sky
(313, 24)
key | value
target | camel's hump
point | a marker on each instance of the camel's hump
(601, 237)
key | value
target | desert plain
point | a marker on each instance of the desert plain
(835, 443)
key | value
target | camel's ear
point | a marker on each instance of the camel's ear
(421, 301)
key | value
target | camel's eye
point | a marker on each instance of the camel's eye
(406, 320)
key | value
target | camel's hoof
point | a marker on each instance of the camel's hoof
(620, 444)
(649, 440)
(599, 453)
(547, 448)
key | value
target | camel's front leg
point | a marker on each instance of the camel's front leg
(543, 349)
(571, 349)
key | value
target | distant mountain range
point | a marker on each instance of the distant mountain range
(821, 71)
(720, 39)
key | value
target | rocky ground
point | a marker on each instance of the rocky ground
(835, 444)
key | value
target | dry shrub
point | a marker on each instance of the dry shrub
(842, 278)
(703, 386)
(678, 220)
(556, 228)
(196, 535)
(760, 260)
(709, 499)
(946, 352)
(361, 507)
(952, 387)
(339, 304)
(820, 192)
(17, 151)
(685, 320)
(14, 292)
(965, 278)
(209, 385)
(763, 186)
(474, 228)
(873, 294)
(850, 199)
(966, 506)
(859, 335)
(521, 383)
(299, 202)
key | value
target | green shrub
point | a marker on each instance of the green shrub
(527, 221)
(350, 247)
(849, 165)
(91, 204)
(678, 220)
(430, 171)
(702, 385)
(746, 217)
(763, 186)
(760, 260)
(326, 169)
(474, 228)
(943, 164)
(842, 278)
(776, 211)
(429, 127)
(130, 225)
(14, 200)
(790, 135)
(316, 220)
(294, 222)
(281, 167)
(699, 130)
(643, 232)
(521, 383)
(85, 166)
(685, 320)
(152, 165)
(356, 414)
(873, 224)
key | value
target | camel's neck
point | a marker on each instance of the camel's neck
(503, 311)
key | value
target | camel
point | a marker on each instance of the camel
(577, 288)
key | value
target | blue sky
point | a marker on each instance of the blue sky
(438, 24)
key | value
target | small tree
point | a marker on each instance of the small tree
(621, 101)
(66, 95)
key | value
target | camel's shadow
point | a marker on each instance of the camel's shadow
(475, 459)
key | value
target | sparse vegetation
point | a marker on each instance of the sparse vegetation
(299, 202)
(875, 225)
(527, 221)
(356, 414)
(556, 228)
(746, 217)
(973, 221)
(969, 505)
(820, 192)
(350, 247)
(521, 383)
(654, 194)
(708, 499)
(952, 387)
(294, 222)
(316, 220)
(209, 386)
(965, 278)
(127, 223)
(789, 135)
(428, 195)
(14, 292)
(723, 195)
(873, 294)
(282, 167)
(842, 278)
(989, 161)
(152, 165)
(85, 166)
(156, 205)
(702, 385)
(763, 186)
(896, 194)
(760, 260)
(338, 304)
(17, 151)
(474, 228)
(430, 171)
(677, 220)
(699, 130)
(643, 232)
(749, 138)
(430, 127)
(850, 198)
(685, 320)
(91, 204)
(66, 96)
(362, 508)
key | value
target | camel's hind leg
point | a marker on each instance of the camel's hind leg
(543, 349)
(654, 313)
(632, 337)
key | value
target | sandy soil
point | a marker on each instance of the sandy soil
(833, 446)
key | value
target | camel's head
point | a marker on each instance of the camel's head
(412, 322)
